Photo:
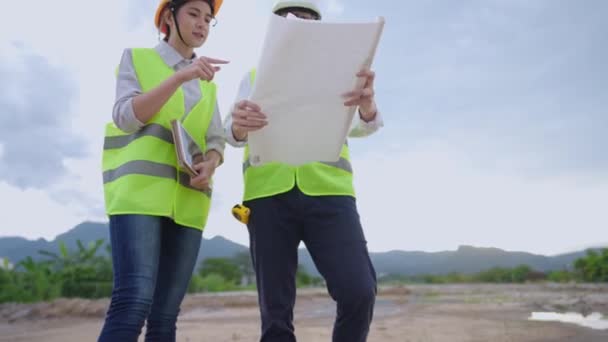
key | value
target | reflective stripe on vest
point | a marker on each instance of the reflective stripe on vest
(153, 130)
(314, 179)
(140, 170)
(342, 164)
(143, 167)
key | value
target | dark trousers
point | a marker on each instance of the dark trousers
(330, 228)
(153, 260)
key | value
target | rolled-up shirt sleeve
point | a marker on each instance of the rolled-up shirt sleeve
(215, 133)
(361, 128)
(127, 87)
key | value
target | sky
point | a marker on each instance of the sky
(495, 117)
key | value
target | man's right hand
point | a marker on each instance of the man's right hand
(247, 117)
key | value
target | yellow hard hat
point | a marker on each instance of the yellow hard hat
(308, 4)
(164, 3)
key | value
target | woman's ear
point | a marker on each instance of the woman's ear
(167, 18)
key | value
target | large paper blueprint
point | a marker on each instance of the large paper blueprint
(304, 69)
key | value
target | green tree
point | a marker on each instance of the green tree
(562, 276)
(37, 282)
(243, 260)
(303, 279)
(83, 273)
(226, 268)
(84, 255)
(215, 283)
(494, 275)
(593, 267)
(521, 274)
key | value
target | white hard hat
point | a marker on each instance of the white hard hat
(308, 4)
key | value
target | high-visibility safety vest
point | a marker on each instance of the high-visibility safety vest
(140, 170)
(313, 179)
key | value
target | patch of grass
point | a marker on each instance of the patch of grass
(432, 294)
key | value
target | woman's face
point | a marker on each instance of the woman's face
(194, 19)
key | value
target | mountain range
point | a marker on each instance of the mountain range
(466, 259)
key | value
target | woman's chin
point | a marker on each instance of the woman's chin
(198, 42)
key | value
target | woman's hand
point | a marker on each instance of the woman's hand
(203, 68)
(205, 167)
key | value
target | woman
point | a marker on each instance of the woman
(157, 211)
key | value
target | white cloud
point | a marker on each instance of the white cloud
(432, 197)
(34, 214)
(89, 47)
(426, 197)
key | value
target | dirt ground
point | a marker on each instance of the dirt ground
(433, 313)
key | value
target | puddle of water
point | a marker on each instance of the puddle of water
(593, 321)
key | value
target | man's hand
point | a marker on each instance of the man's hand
(364, 97)
(247, 117)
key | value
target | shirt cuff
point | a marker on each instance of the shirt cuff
(217, 147)
(372, 125)
(128, 122)
(231, 139)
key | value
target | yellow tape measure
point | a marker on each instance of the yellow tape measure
(241, 213)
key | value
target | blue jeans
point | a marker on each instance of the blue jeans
(153, 260)
(330, 228)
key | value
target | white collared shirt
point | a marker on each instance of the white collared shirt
(128, 87)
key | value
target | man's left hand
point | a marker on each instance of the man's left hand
(364, 97)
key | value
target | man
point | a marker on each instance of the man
(313, 203)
